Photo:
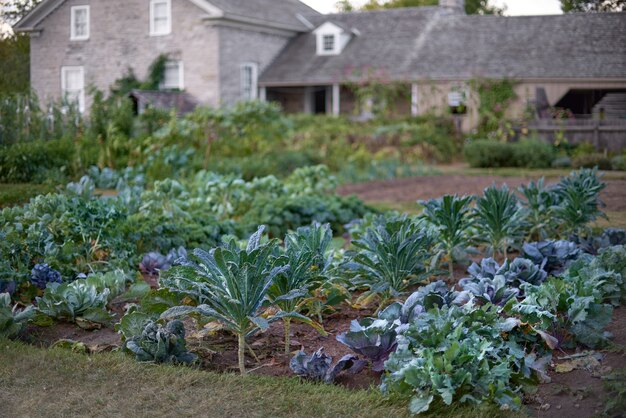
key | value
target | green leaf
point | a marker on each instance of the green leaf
(420, 403)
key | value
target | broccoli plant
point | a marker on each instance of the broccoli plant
(306, 253)
(12, 319)
(318, 366)
(392, 256)
(230, 285)
(450, 216)
(500, 220)
(161, 344)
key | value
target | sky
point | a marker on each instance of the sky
(513, 7)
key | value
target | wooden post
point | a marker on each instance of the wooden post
(263, 94)
(336, 100)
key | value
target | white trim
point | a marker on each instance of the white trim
(73, 11)
(263, 94)
(81, 93)
(336, 99)
(414, 99)
(253, 88)
(181, 76)
(168, 28)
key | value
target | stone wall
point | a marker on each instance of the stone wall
(120, 39)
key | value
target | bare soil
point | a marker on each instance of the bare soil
(431, 187)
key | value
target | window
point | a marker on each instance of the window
(328, 43)
(160, 17)
(173, 79)
(79, 23)
(249, 73)
(73, 85)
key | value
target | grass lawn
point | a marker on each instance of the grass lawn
(57, 382)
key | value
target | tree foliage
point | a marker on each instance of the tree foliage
(593, 6)
(12, 11)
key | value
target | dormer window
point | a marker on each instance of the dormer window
(331, 39)
(329, 43)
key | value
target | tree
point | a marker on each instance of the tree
(471, 6)
(593, 6)
(11, 11)
(14, 64)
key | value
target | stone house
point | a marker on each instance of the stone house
(223, 51)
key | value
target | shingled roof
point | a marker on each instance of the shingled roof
(282, 12)
(431, 43)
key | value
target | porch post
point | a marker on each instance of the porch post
(414, 98)
(263, 94)
(336, 99)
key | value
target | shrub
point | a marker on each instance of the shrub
(31, 161)
(532, 153)
(592, 160)
(619, 162)
(484, 153)
(562, 162)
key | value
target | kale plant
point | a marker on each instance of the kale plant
(450, 216)
(391, 257)
(579, 201)
(230, 285)
(500, 219)
(161, 344)
(12, 319)
(42, 274)
(318, 366)
(307, 259)
(539, 203)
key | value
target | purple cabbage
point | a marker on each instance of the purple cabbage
(318, 366)
(155, 262)
(555, 256)
(42, 274)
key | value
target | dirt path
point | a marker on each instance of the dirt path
(416, 188)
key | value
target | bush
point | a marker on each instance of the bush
(619, 162)
(532, 153)
(484, 153)
(562, 162)
(592, 160)
(31, 161)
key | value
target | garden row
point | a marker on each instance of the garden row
(70, 253)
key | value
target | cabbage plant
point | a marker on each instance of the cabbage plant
(12, 319)
(161, 344)
(500, 220)
(75, 302)
(451, 217)
(318, 366)
(230, 285)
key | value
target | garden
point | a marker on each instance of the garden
(177, 253)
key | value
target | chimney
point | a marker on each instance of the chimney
(457, 6)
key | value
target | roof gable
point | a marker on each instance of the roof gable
(283, 14)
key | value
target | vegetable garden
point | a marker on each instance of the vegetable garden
(222, 273)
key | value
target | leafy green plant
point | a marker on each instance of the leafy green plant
(553, 256)
(500, 220)
(459, 354)
(318, 366)
(78, 302)
(579, 200)
(539, 203)
(306, 251)
(12, 319)
(161, 344)
(450, 216)
(391, 256)
(230, 284)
